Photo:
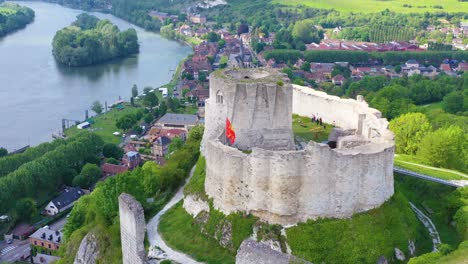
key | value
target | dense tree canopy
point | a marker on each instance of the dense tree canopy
(409, 131)
(88, 42)
(14, 17)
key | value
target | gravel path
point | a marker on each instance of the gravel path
(155, 238)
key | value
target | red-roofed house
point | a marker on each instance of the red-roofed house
(338, 79)
(445, 67)
(112, 169)
(462, 66)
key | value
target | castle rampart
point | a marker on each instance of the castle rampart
(283, 185)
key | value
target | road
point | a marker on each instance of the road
(14, 251)
(429, 178)
(155, 238)
(58, 225)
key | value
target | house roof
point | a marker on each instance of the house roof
(163, 140)
(113, 169)
(178, 119)
(412, 61)
(132, 154)
(47, 234)
(68, 196)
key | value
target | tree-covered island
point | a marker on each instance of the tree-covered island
(14, 17)
(91, 41)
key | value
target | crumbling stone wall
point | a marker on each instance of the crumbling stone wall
(132, 230)
(283, 185)
(253, 252)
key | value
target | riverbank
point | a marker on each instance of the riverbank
(34, 105)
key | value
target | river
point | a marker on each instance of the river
(36, 92)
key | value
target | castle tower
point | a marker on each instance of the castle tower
(257, 102)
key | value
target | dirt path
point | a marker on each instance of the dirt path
(155, 238)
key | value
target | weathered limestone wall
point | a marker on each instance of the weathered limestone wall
(345, 113)
(194, 205)
(283, 185)
(287, 187)
(88, 251)
(132, 230)
(259, 108)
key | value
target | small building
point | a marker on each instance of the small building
(163, 91)
(161, 146)
(177, 121)
(197, 19)
(132, 159)
(412, 64)
(22, 231)
(83, 125)
(112, 169)
(462, 66)
(64, 201)
(46, 238)
(338, 79)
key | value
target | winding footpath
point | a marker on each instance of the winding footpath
(429, 226)
(155, 238)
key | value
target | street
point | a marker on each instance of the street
(14, 251)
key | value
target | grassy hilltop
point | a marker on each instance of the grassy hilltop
(372, 6)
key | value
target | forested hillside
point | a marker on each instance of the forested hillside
(90, 41)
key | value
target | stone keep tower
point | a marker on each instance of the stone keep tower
(259, 104)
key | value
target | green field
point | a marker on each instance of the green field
(104, 125)
(372, 6)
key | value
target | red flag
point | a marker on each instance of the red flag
(230, 134)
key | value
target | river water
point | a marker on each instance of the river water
(36, 92)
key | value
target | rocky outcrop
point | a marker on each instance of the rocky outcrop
(252, 252)
(88, 251)
(194, 205)
(399, 254)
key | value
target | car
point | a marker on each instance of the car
(9, 241)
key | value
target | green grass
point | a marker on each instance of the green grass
(362, 238)
(104, 125)
(446, 175)
(196, 184)
(433, 198)
(372, 6)
(179, 231)
(302, 128)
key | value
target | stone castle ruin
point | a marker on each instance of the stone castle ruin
(132, 229)
(266, 174)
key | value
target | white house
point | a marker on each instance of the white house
(63, 201)
(163, 90)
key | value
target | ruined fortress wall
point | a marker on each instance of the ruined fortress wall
(345, 113)
(259, 109)
(287, 187)
(132, 229)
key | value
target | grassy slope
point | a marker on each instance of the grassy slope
(432, 199)
(179, 231)
(197, 182)
(303, 125)
(400, 161)
(104, 124)
(361, 239)
(372, 6)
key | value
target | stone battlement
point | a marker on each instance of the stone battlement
(275, 181)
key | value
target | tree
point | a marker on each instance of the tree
(445, 147)
(453, 102)
(25, 208)
(88, 176)
(134, 91)
(305, 31)
(148, 118)
(150, 100)
(112, 151)
(3, 152)
(126, 122)
(112, 161)
(176, 144)
(409, 131)
(97, 107)
(305, 66)
(212, 37)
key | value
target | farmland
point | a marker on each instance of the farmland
(372, 6)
